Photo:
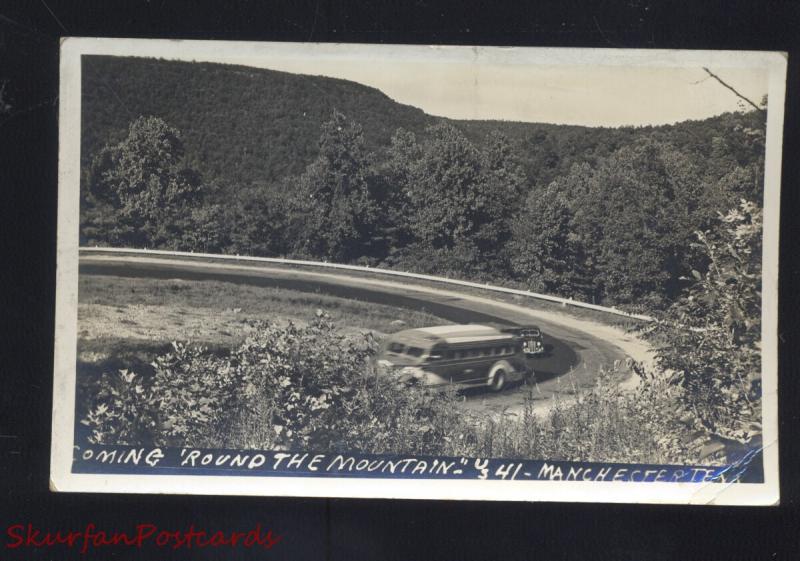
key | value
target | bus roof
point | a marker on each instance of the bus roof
(452, 334)
(511, 328)
(517, 329)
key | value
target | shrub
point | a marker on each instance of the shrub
(299, 379)
(189, 392)
(605, 424)
(311, 388)
(712, 335)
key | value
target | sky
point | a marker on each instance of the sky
(564, 94)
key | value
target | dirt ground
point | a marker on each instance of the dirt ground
(141, 314)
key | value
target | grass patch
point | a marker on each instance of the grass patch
(531, 303)
(134, 318)
(180, 297)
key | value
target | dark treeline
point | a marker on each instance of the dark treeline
(602, 215)
(620, 231)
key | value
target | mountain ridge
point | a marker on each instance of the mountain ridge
(244, 125)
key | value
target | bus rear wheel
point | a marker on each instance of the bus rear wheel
(498, 381)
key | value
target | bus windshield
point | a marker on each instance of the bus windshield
(399, 348)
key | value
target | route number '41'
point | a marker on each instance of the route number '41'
(503, 471)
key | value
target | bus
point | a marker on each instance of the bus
(464, 355)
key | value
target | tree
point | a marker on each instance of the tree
(634, 215)
(5, 106)
(392, 189)
(336, 205)
(142, 181)
(204, 229)
(712, 334)
(502, 183)
(544, 253)
(445, 188)
(463, 201)
(260, 220)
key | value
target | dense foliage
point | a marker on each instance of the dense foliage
(244, 160)
(271, 393)
(711, 337)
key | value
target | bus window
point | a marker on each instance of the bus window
(396, 347)
(414, 351)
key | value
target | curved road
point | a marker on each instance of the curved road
(576, 349)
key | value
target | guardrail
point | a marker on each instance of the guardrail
(374, 270)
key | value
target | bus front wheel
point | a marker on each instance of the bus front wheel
(498, 381)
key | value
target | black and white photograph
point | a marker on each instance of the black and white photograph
(418, 272)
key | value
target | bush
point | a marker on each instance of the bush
(188, 394)
(603, 424)
(284, 388)
(311, 388)
(712, 335)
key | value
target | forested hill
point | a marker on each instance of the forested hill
(243, 125)
(240, 124)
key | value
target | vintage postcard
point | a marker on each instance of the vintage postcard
(425, 272)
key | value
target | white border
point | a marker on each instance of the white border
(612, 492)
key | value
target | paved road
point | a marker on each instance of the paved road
(573, 357)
